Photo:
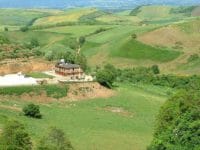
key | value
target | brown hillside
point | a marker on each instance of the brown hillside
(186, 34)
(196, 11)
(21, 65)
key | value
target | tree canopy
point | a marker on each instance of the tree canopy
(178, 124)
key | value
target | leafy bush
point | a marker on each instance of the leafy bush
(32, 110)
(24, 29)
(134, 36)
(4, 39)
(6, 29)
(178, 123)
(15, 137)
(155, 69)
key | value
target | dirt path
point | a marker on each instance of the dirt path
(13, 108)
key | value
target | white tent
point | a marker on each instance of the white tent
(16, 80)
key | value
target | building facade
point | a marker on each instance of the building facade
(73, 71)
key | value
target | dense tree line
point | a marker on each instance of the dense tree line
(147, 75)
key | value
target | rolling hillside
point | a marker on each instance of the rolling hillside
(114, 43)
(19, 17)
(69, 16)
(184, 37)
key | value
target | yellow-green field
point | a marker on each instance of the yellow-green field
(68, 16)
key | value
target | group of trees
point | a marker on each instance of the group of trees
(13, 50)
(109, 74)
(178, 123)
(16, 137)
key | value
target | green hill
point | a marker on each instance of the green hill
(21, 17)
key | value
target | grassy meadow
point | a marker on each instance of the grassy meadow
(94, 124)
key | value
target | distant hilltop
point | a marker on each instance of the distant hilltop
(105, 4)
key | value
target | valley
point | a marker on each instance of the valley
(138, 58)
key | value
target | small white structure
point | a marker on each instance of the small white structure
(16, 80)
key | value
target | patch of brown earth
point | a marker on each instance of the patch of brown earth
(171, 35)
(119, 111)
(196, 11)
(13, 108)
(24, 65)
(85, 91)
(166, 36)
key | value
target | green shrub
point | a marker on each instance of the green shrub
(24, 29)
(134, 36)
(32, 110)
(6, 29)
(4, 39)
(155, 69)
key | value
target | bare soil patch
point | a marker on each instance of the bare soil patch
(85, 91)
(119, 111)
(196, 11)
(24, 65)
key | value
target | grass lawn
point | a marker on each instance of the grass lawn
(38, 75)
(91, 125)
